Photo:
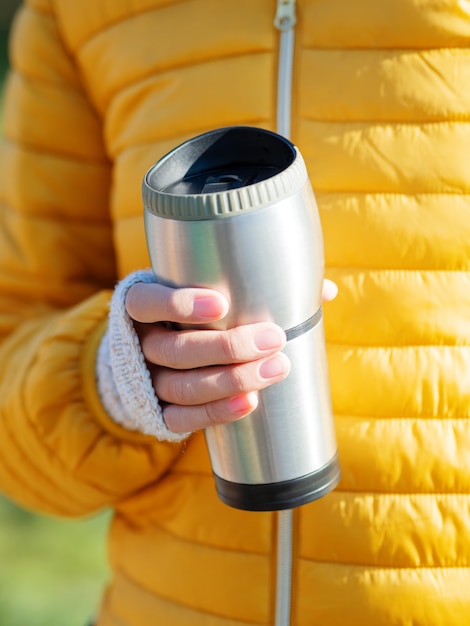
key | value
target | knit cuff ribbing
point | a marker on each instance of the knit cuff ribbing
(124, 381)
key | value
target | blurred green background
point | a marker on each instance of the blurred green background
(52, 572)
(7, 10)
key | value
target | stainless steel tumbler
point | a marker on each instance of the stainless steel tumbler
(233, 210)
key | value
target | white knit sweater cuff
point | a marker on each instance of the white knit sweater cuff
(124, 381)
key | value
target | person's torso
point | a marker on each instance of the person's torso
(380, 112)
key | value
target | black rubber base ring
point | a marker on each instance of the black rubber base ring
(288, 494)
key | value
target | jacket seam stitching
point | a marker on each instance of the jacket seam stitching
(125, 575)
(54, 153)
(58, 217)
(160, 72)
(80, 44)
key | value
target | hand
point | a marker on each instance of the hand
(205, 377)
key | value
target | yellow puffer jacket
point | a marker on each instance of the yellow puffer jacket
(381, 109)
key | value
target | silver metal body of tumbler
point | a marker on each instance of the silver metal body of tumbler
(233, 210)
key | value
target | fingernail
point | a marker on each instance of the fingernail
(243, 403)
(330, 290)
(268, 339)
(273, 368)
(208, 307)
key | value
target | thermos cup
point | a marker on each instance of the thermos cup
(233, 210)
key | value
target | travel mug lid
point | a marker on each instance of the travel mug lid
(223, 173)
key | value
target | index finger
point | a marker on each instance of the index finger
(149, 303)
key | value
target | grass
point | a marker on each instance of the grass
(3, 63)
(52, 572)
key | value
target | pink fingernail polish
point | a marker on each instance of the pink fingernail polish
(272, 368)
(268, 340)
(208, 307)
(243, 403)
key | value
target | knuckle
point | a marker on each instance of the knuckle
(230, 344)
(216, 415)
(173, 420)
(171, 304)
(165, 351)
(239, 379)
(179, 390)
(158, 348)
(176, 305)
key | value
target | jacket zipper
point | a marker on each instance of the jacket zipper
(285, 21)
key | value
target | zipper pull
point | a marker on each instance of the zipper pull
(285, 15)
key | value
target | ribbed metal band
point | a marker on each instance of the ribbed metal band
(226, 203)
(305, 326)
